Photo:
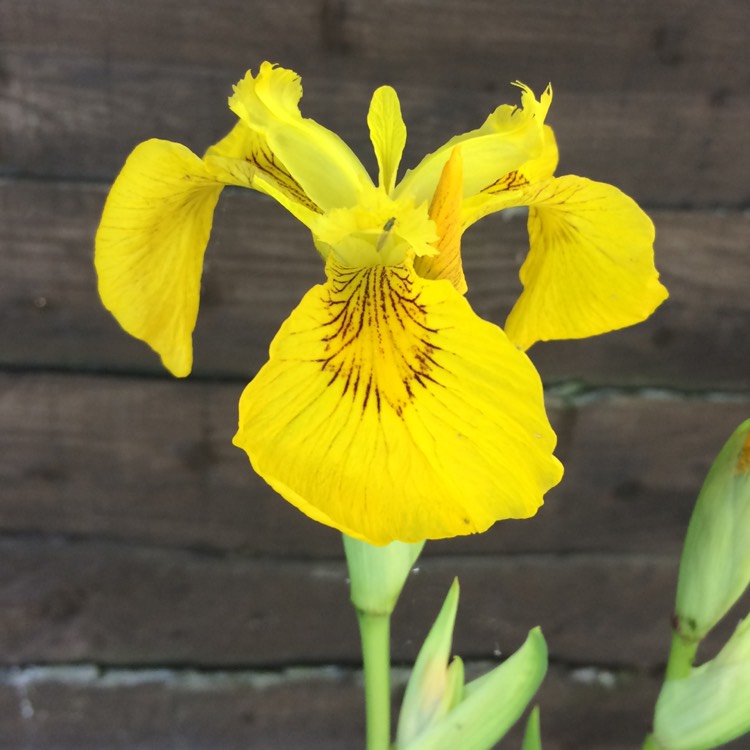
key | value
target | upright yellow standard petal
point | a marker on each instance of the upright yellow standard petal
(150, 246)
(387, 133)
(445, 211)
(324, 166)
(509, 137)
(390, 411)
(243, 157)
(590, 267)
(515, 187)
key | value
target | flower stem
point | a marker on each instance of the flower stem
(374, 631)
(681, 657)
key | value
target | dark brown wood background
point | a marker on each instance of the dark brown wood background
(153, 592)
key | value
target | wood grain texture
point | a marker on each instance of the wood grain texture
(123, 605)
(260, 263)
(152, 462)
(83, 709)
(136, 540)
(658, 107)
(80, 709)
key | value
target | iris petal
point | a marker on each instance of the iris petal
(323, 165)
(243, 157)
(390, 411)
(590, 268)
(387, 133)
(150, 246)
(509, 137)
(512, 188)
(445, 211)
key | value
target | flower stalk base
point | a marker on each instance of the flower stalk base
(375, 635)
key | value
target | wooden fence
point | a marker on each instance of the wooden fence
(154, 593)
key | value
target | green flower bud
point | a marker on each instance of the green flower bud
(377, 574)
(491, 704)
(711, 706)
(434, 687)
(715, 564)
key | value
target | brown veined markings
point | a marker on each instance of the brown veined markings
(265, 160)
(378, 343)
(510, 181)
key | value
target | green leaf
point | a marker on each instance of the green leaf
(492, 703)
(532, 739)
(434, 687)
(711, 706)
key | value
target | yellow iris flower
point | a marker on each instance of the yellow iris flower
(388, 409)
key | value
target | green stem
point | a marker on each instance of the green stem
(681, 657)
(375, 634)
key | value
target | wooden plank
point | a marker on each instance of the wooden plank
(633, 470)
(592, 709)
(152, 462)
(82, 709)
(676, 43)
(122, 605)
(618, 138)
(260, 263)
(48, 287)
(658, 108)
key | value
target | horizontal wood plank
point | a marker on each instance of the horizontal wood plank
(115, 605)
(81, 708)
(678, 43)
(260, 263)
(316, 709)
(658, 109)
(152, 462)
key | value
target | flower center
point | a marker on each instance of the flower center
(377, 230)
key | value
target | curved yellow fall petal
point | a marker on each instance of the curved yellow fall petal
(324, 166)
(445, 211)
(509, 137)
(387, 133)
(590, 268)
(150, 246)
(390, 411)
